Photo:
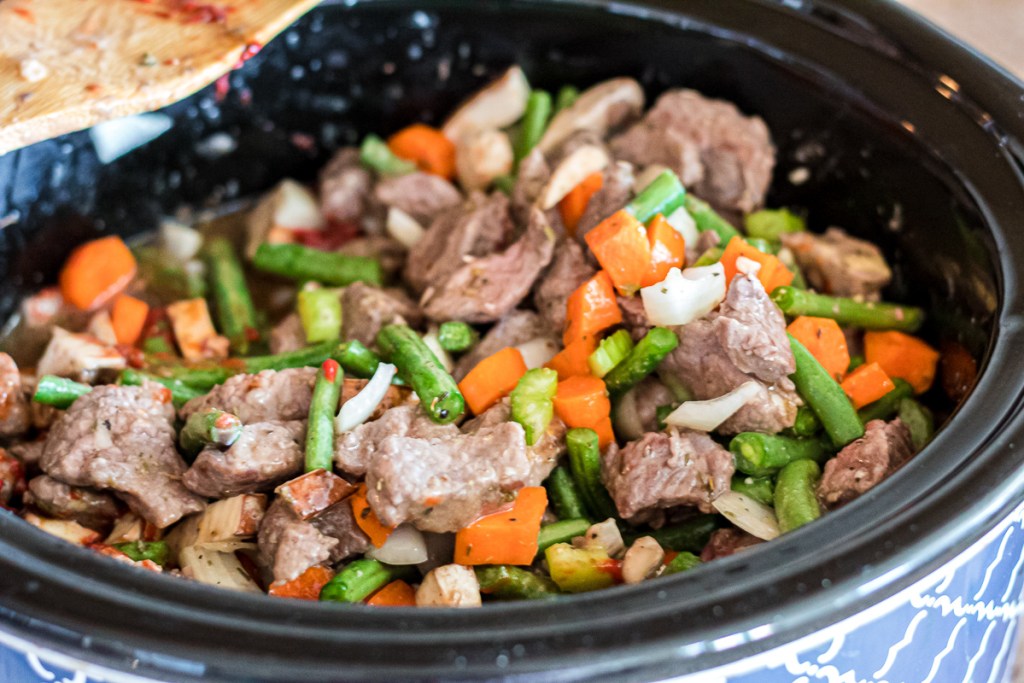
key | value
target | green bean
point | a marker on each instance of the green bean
(585, 463)
(682, 562)
(707, 219)
(761, 489)
(360, 579)
(855, 362)
(612, 350)
(565, 497)
(771, 224)
(155, 551)
(561, 532)
(505, 184)
(236, 315)
(664, 195)
(919, 421)
(439, 394)
(456, 336)
(211, 427)
(535, 121)
(513, 583)
(58, 391)
(322, 409)
(806, 423)
(157, 344)
(320, 313)
(375, 154)
(825, 397)
(641, 361)
(181, 393)
(868, 315)
(709, 257)
(887, 406)
(662, 412)
(567, 96)
(796, 503)
(691, 535)
(761, 455)
(357, 360)
(303, 263)
(532, 402)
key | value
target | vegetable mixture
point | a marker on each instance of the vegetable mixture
(555, 345)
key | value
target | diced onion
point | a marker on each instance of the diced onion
(537, 352)
(358, 409)
(684, 296)
(216, 568)
(179, 241)
(403, 227)
(752, 516)
(683, 222)
(405, 545)
(707, 415)
(433, 343)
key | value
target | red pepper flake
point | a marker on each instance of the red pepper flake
(93, 88)
(224, 421)
(330, 238)
(330, 369)
(222, 87)
(252, 334)
(248, 52)
(25, 14)
(613, 567)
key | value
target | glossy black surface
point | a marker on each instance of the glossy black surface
(908, 139)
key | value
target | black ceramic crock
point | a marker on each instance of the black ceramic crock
(908, 139)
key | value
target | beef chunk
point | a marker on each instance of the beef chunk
(366, 309)
(518, 327)
(725, 542)
(744, 340)
(289, 546)
(354, 450)
(475, 228)
(339, 522)
(551, 444)
(122, 439)
(15, 417)
(724, 156)
(264, 455)
(862, 464)
(269, 396)
(12, 476)
(838, 264)
(569, 270)
(344, 187)
(648, 396)
(614, 194)
(89, 508)
(421, 195)
(288, 335)
(662, 470)
(533, 175)
(486, 289)
(29, 452)
(634, 316)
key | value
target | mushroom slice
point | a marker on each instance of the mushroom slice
(573, 170)
(497, 105)
(482, 156)
(601, 108)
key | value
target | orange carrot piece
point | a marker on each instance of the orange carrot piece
(772, 274)
(396, 594)
(492, 379)
(605, 432)
(959, 370)
(582, 402)
(620, 245)
(427, 147)
(366, 518)
(574, 204)
(508, 537)
(668, 250)
(128, 316)
(305, 586)
(96, 271)
(591, 308)
(867, 384)
(572, 360)
(825, 340)
(903, 356)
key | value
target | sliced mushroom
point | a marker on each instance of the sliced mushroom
(601, 108)
(573, 170)
(482, 156)
(642, 561)
(498, 105)
(78, 356)
(450, 585)
(605, 535)
(102, 327)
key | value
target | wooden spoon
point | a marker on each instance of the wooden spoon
(68, 64)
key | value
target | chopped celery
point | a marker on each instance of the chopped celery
(770, 224)
(577, 570)
(320, 312)
(610, 352)
(532, 405)
(375, 154)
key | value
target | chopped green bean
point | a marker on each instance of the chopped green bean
(761, 455)
(375, 154)
(456, 336)
(761, 489)
(869, 315)
(682, 562)
(535, 121)
(304, 263)
(505, 184)
(322, 409)
(565, 497)
(181, 393)
(664, 195)
(707, 219)
(771, 224)
(825, 397)
(691, 535)
(919, 421)
(561, 532)
(360, 579)
(796, 503)
(154, 551)
(211, 427)
(887, 406)
(357, 360)
(236, 315)
(585, 462)
(709, 257)
(641, 361)
(58, 391)
(567, 96)
(806, 423)
(439, 394)
(514, 583)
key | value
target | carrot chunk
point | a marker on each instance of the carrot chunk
(903, 356)
(96, 271)
(128, 316)
(867, 384)
(668, 250)
(591, 308)
(508, 537)
(620, 245)
(825, 340)
(772, 274)
(366, 518)
(574, 204)
(305, 586)
(582, 402)
(492, 379)
(396, 594)
(572, 360)
(427, 147)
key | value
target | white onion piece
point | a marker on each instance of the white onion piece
(114, 139)
(704, 416)
(626, 418)
(358, 409)
(683, 222)
(537, 352)
(403, 227)
(405, 545)
(684, 296)
(752, 516)
(433, 343)
(179, 241)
